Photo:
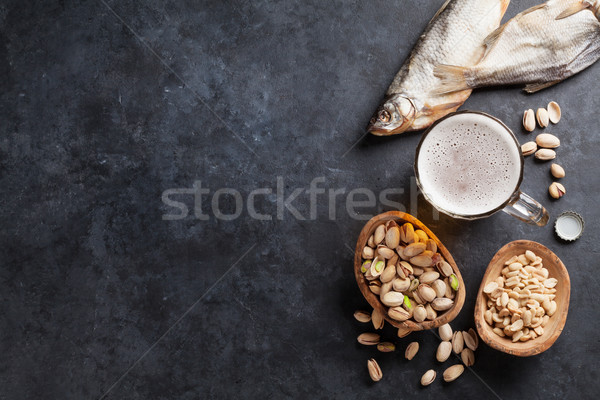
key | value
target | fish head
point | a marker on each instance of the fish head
(395, 115)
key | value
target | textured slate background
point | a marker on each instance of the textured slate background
(105, 105)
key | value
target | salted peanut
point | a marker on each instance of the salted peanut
(452, 373)
(362, 316)
(445, 332)
(411, 350)
(529, 120)
(490, 287)
(528, 148)
(458, 343)
(499, 332)
(516, 336)
(539, 330)
(368, 339)
(377, 319)
(542, 117)
(488, 317)
(379, 234)
(392, 237)
(468, 357)
(557, 171)
(554, 112)
(374, 370)
(428, 378)
(386, 347)
(443, 351)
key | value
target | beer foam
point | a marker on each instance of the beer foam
(469, 164)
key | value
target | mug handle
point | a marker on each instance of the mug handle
(525, 208)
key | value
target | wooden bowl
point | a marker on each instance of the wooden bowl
(373, 299)
(556, 323)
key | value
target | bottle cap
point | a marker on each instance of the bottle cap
(569, 226)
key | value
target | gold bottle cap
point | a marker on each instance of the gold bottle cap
(569, 226)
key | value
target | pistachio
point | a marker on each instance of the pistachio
(557, 171)
(528, 148)
(547, 141)
(379, 234)
(414, 284)
(542, 117)
(444, 268)
(454, 282)
(371, 241)
(475, 338)
(377, 267)
(404, 269)
(431, 245)
(429, 277)
(407, 304)
(529, 120)
(368, 339)
(443, 351)
(362, 316)
(420, 313)
(368, 253)
(388, 274)
(545, 154)
(426, 293)
(386, 347)
(431, 313)
(392, 237)
(385, 288)
(385, 252)
(468, 340)
(442, 304)
(375, 287)
(365, 266)
(557, 190)
(411, 350)
(374, 370)
(452, 373)
(407, 234)
(554, 112)
(422, 260)
(445, 332)
(428, 378)
(440, 287)
(468, 357)
(421, 235)
(377, 319)
(398, 314)
(458, 343)
(403, 331)
(415, 249)
(393, 299)
(401, 285)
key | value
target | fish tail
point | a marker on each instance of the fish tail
(578, 6)
(453, 78)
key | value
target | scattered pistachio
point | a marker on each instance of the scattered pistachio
(386, 347)
(529, 120)
(368, 339)
(557, 171)
(547, 141)
(428, 378)
(411, 350)
(362, 316)
(454, 282)
(452, 373)
(542, 117)
(557, 190)
(545, 154)
(374, 370)
(528, 148)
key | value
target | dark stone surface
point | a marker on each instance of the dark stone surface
(107, 105)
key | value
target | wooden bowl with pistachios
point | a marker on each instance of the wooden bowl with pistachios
(523, 301)
(406, 274)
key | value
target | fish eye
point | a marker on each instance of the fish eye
(384, 116)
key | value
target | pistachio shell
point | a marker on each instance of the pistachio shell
(554, 112)
(557, 171)
(393, 299)
(452, 373)
(403, 331)
(392, 237)
(385, 252)
(545, 154)
(374, 370)
(379, 234)
(557, 190)
(398, 314)
(431, 313)
(542, 117)
(442, 304)
(444, 268)
(428, 378)
(420, 313)
(377, 319)
(368, 253)
(458, 343)
(468, 357)
(407, 234)
(529, 120)
(411, 350)
(443, 351)
(528, 148)
(431, 245)
(362, 316)
(445, 332)
(440, 287)
(368, 339)
(388, 274)
(415, 249)
(426, 293)
(547, 141)
(386, 347)
(422, 260)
